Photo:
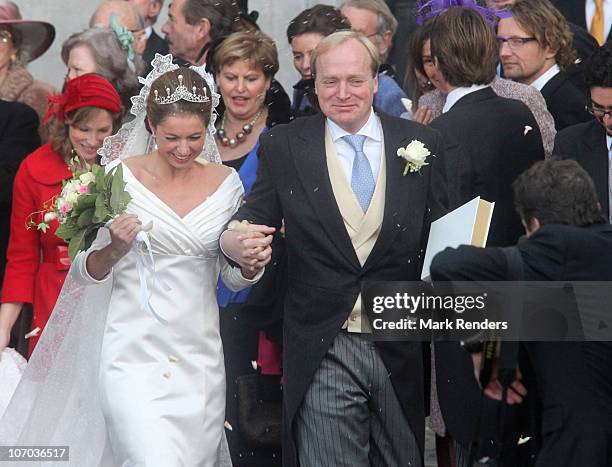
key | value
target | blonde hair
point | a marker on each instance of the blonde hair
(254, 47)
(548, 26)
(337, 39)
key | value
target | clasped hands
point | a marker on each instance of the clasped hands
(493, 389)
(248, 245)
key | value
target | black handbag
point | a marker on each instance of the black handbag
(260, 400)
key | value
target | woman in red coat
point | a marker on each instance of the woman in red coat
(37, 262)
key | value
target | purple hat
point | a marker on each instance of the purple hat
(36, 36)
(431, 8)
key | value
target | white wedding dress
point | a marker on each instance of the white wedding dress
(114, 382)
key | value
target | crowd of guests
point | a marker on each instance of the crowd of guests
(506, 84)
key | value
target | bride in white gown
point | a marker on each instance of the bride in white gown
(160, 395)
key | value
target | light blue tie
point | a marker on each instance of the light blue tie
(362, 179)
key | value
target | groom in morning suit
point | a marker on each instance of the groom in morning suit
(350, 217)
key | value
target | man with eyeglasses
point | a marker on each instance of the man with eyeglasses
(374, 19)
(590, 143)
(535, 47)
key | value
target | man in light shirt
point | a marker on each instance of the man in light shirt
(350, 216)
(535, 47)
(593, 15)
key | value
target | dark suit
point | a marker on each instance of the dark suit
(565, 101)
(573, 379)
(586, 144)
(486, 149)
(585, 45)
(18, 138)
(575, 12)
(155, 44)
(325, 275)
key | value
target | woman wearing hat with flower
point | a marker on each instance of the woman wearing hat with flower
(78, 121)
(22, 41)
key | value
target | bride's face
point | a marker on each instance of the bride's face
(180, 139)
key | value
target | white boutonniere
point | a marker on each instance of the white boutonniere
(415, 155)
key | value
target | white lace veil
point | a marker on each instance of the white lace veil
(133, 138)
(57, 401)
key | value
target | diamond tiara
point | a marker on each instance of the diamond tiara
(181, 92)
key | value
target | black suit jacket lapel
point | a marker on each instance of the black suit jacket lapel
(311, 164)
(553, 85)
(399, 194)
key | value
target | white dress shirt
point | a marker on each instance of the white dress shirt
(457, 93)
(546, 77)
(590, 12)
(372, 146)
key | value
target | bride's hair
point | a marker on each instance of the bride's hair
(158, 112)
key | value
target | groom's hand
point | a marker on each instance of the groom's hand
(248, 244)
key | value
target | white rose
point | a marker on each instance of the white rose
(415, 155)
(86, 178)
(71, 198)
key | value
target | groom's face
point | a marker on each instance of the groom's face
(345, 85)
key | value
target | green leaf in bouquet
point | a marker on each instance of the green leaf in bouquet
(85, 202)
(125, 200)
(101, 213)
(67, 230)
(99, 179)
(76, 244)
(117, 190)
(86, 217)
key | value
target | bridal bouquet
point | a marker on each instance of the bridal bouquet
(88, 201)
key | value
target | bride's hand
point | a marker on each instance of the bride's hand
(123, 231)
(248, 245)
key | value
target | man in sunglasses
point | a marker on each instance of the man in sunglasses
(590, 143)
(535, 47)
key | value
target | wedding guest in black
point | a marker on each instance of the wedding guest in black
(245, 64)
(149, 10)
(193, 25)
(405, 11)
(590, 143)
(18, 138)
(374, 19)
(489, 141)
(592, 15)
(535, 47)
(567, 240)
(304, 32)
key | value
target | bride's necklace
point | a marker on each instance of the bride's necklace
(241, 135)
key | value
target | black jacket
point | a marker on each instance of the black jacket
(487, 147)
(573, 379)
(586, 144)
(155, 44)
(18, 138)
(575, 12)
(565, 101)
(324, 273)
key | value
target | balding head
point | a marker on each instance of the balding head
(127, 16)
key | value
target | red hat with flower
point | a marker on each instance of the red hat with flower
(89, 90)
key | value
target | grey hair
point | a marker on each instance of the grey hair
(386, 20)
(111, 60)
